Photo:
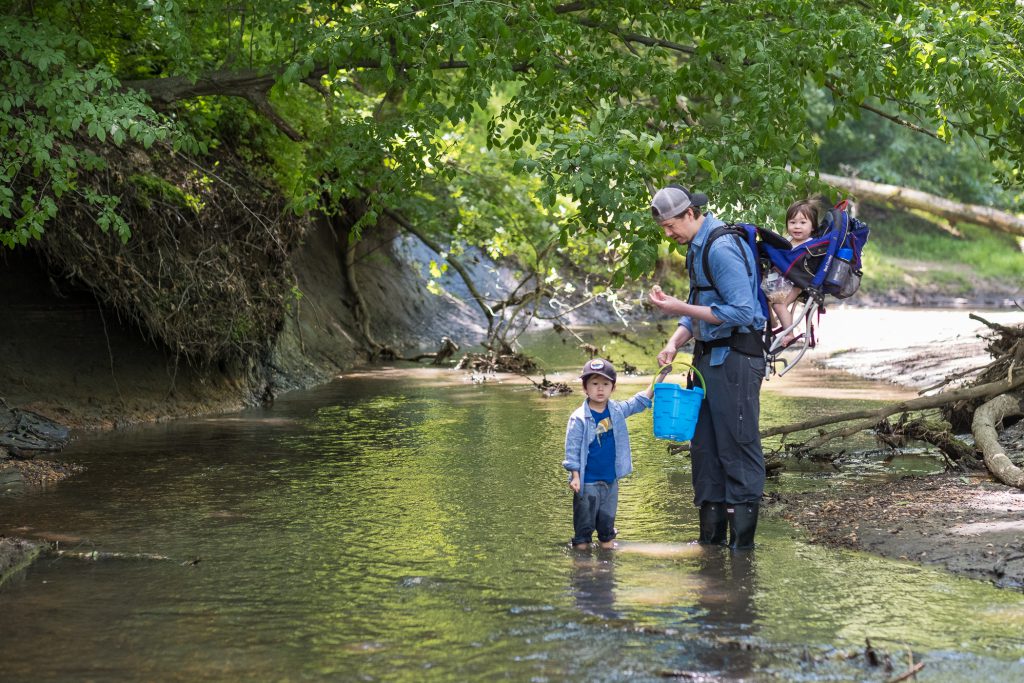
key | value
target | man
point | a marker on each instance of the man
(723, 316)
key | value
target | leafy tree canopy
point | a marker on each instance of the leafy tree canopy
(596, 101)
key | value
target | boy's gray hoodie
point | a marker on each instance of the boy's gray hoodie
(582, 429)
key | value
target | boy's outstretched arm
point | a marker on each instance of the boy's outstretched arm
(637, 403)
(649, 393)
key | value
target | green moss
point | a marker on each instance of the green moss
(242, 330)
(154, 188)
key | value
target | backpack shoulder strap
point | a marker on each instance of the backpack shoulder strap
(740, 234)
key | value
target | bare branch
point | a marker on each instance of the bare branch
(263, 106)
(637, 37)
(873, 416)
(454, 262)
(885, 115)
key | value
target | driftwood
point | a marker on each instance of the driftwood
(937, 433)
(985, 419)
(980, 406)
(442, 356)
(869, 418)
(1006, 346)
(912, 671)
(96, 555)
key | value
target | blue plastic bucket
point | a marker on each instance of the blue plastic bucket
(676, 409)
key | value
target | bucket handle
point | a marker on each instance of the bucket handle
(664, 368)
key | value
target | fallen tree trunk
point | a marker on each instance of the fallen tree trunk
(906, 197)
(984, 428)
(873, 416)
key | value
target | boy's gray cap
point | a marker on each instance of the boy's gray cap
(598, 366)
(672, 200)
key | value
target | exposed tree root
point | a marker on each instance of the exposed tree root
(207, 268)
(985, 420)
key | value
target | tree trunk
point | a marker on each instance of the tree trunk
(939, 206)
(984, 427)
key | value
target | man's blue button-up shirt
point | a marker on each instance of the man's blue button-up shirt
(734, 302)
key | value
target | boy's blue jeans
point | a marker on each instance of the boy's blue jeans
(593, 509)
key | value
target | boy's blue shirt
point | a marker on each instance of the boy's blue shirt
(737, 306)
(601, 451)
(582, 429)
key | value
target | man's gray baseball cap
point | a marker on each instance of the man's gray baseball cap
(672, 200)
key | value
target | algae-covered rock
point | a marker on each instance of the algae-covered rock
(15, 555)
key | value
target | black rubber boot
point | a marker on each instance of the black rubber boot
(742, 525)
(713, 524)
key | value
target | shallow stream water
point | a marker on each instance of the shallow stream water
(412, 525)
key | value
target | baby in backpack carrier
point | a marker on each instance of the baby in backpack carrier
(801, 221)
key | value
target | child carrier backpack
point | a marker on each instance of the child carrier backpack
(828, 264)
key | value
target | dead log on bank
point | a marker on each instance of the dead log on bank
(869, 418)
(906, 197)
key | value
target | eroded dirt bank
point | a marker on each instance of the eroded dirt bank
(966, 525)
(75, 361)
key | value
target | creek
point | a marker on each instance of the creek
(412, 525)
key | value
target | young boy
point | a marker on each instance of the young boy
(597, 453)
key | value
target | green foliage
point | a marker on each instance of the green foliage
(550, 121)
(872, 148)
(901, 235)
(58, 105)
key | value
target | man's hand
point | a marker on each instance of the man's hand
(664, 302)
(667, 354)
(574, 484)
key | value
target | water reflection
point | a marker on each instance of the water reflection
(593, 583)
(727, 611)
(410, 531)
